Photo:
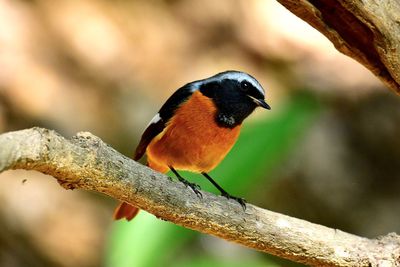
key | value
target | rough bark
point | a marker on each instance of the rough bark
(368, 31)
(85, 162)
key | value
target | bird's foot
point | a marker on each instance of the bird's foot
(240, 200)
(195, 187)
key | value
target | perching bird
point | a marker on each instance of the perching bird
(196, 128)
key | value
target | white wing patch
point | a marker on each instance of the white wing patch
(155, 119)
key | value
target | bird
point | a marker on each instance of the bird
(196, 128)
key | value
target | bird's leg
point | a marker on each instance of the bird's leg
(193, 186)
(240, 200)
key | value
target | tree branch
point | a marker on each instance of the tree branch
(368, 31)
(86, 162)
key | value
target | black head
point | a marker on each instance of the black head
(236, 95)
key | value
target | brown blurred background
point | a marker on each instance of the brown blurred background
(107, 66)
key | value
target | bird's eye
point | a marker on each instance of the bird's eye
(245, 86)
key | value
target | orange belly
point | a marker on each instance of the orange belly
(192, 140)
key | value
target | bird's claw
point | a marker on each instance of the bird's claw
(195, 187)
(240, 200)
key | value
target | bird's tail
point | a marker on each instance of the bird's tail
(127, 211)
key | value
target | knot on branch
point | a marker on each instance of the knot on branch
(87, 140)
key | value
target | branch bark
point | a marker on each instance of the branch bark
(85, 162)
(368, 31)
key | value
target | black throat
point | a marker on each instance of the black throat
(233, 106)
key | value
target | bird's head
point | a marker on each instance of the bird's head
(236, 94)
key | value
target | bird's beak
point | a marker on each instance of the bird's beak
(260, 102)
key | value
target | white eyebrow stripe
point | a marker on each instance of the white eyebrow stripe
(230, 75)
(154, 120)
(241, 76)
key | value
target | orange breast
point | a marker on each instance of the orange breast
(192, 140)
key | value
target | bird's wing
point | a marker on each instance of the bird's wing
(160, 120)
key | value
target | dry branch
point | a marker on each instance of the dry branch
(86, 162)
(368, 31)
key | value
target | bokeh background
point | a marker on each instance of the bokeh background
(327, 152)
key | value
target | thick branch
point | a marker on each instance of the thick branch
(368, 31)
(86, 162)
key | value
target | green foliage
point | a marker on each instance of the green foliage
(145, 241)
(261, 147)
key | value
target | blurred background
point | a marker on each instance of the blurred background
(327, 152)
